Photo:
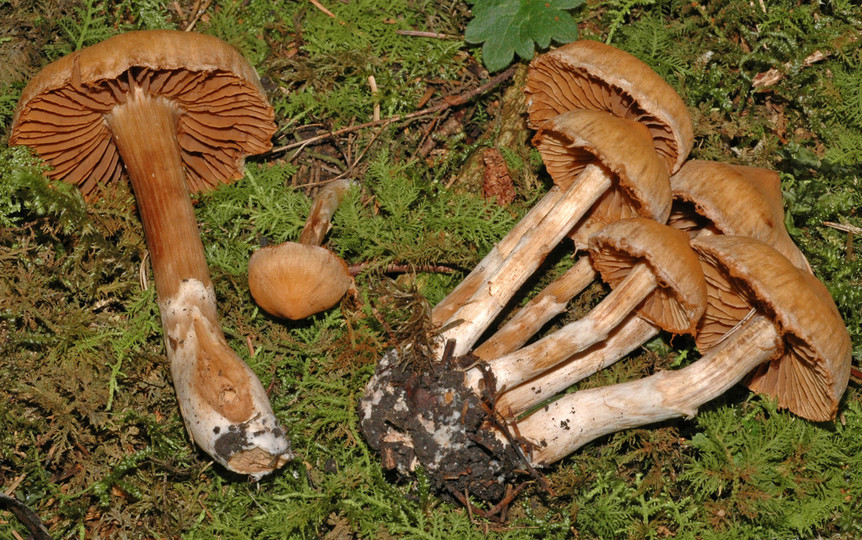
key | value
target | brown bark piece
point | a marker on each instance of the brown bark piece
(496, 181)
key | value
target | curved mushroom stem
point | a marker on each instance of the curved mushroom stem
(543, 307)
(223, 404)
(578, 418)
(631, 334)
(514, 368)
(325, 204)
(508, 265)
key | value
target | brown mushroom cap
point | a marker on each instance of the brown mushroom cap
(572, 140)
(591, 75)
(680, 297)
(223, 114)
(294, 281)
(809, 375)
(733, 200)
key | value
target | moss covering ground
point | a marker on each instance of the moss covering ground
(91, 438)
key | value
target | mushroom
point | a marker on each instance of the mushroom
(592, 75)
(297, 279)
(795, 339)
(582, 75)
(650, 267)
(179, 111)
(607, 167)
(735, 200)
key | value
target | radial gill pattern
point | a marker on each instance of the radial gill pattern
(221, 118)
(551, 93)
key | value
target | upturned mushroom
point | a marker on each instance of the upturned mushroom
(179, 111)
(591, 75)
(569, 143)
(794, 339)
(709, 198)
(295, 280)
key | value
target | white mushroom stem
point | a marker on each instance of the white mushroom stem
(514, 368)
(628, 336)
(490, 264)
(543, 307)
(223, 404)
(508, 265)
(565, 425)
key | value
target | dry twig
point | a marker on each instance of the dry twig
(447, 102)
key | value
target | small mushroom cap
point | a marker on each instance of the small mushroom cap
(294, 281)
(680, 298)
(592, 75)
(810, 374)
(222, 112)
(733, 200)
(572, 140)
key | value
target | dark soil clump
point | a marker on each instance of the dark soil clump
(429, 418)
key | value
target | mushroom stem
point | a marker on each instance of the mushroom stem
(514, 368)
(156, 173)
(486, 268)
(578, 418)
(625, 338)
(502, 272)
(223, 404)
(325, 204)
(543, 307)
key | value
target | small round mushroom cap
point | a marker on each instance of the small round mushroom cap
(294, 281)
(810, 374)
(222, 114)
(733, 200)
(572, 140)
(680, 297)
(592, 75)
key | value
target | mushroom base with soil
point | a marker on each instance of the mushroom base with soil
(430, 418)
(223, 404)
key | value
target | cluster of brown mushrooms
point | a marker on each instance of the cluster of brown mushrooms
(687, 247)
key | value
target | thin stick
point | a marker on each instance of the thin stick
(26, 516)
(449, 101)
(421, 33)
(322, 8)
(844, 227)
(356, 269)
(372, 83)
(198, 14)
(179, 10)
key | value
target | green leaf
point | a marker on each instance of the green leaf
(507, 27)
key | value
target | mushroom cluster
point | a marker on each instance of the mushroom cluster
(686, 246)
(179, 111)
